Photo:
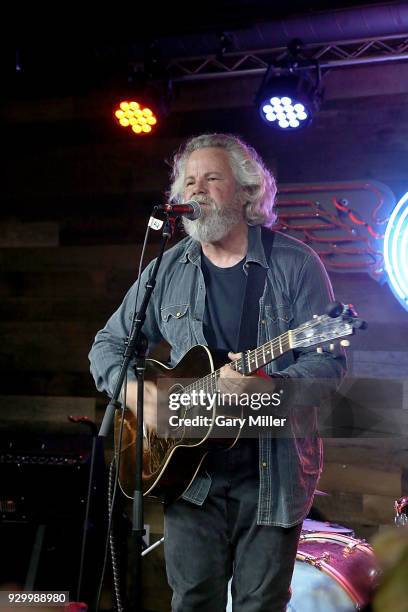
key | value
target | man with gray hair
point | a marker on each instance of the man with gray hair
(242, 515)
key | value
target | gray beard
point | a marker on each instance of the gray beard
(213, 225)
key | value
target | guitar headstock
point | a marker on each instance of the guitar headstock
(339, 321)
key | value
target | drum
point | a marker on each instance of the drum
(333, 573)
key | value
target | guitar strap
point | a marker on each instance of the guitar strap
(255, 284)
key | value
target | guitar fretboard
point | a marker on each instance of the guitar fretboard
(249, 363)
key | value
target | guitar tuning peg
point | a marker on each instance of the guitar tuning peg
(344, 343)
(334, 309)
(319, 350)
(331, 347)
(360, 324)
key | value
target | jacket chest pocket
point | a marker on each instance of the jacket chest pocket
(176, 325)
(278, 318)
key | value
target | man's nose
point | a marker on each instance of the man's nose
(199, 187)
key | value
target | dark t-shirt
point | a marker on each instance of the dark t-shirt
(225, 289)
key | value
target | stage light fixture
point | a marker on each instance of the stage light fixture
(140, 105)
(396, 251)
(289, 95)
(288, 101)
(133, 115)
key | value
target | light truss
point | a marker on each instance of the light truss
(329, 55)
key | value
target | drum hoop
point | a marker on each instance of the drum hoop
(322, 565)
(336, 537)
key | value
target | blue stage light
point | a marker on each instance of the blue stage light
(288, 101)
(396, 251)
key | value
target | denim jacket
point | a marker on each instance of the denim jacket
(296, 288)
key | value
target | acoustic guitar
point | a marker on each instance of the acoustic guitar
(170, 464)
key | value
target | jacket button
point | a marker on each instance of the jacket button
(264, 464)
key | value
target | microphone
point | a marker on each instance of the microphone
(190, 210)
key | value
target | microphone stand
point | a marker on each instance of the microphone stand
(137, 346)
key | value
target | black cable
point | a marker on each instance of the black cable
(115, 563)
(110, 511)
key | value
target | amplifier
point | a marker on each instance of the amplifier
(45, 477)
(44, 482)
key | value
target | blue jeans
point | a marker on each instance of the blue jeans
(206, 545)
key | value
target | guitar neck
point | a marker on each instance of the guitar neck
(249, 362)
(252, 360)
(317, 331)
